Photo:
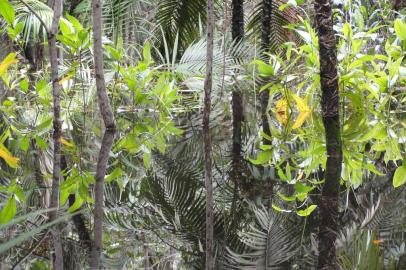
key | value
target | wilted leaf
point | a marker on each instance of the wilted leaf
(282, 111)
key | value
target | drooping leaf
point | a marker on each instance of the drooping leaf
(8, 211)
(8, 157)
(304, 111)
(399, 177)
(400, 29)
(7, 62)
(307, 211)
(7, 11)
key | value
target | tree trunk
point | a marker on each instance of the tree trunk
(266, 35)
(108, 137)
(328, 206)
(264, 96)
(208, 85)
(56, 93)
(237, 105)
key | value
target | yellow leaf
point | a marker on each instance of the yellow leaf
(304, 112)
(7, 62)
(8, 157)
(66, 142)
(65, 79)
(282, 111)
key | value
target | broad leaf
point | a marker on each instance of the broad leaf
(400, 176)
(8, 211)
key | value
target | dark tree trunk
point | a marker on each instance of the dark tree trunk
(328, 205)
(208, 85)
(264, 96)
(266, 36)
(237, 105)
(108, 137)
(398, 4)
(57, 125)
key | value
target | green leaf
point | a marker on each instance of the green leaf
(400, 175)
(307, 211)
(76, 24)
(66, 28)
(146, 53)
(147, 159)
(400, 29)
(264, 69)
(7, 11)
(77, 204)
(262, 158)
(25, 143)
(8, 211)
(116, 173)
(24, 85)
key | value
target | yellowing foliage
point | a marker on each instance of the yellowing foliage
(7, 62)
(304, 112)
(67, 143)
(283, 113)
(8, 157)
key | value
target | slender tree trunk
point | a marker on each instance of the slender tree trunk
(264, 96)
(108, 137)
(57, 123)
(208, 85)
(328, 206)
(266, 35)
(237, 105)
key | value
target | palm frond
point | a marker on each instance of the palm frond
(271, 241)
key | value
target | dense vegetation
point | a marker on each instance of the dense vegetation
(202, 134)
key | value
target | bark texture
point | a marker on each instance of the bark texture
(328, 205)
(57, 130)
(208, 85)
(108, 137)
(237, 96)
(266, 36)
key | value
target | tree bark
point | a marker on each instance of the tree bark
(328, 206)
(56, 93)
(237, 96)
(208, 85)
(264, 96)
(108, 137)
(266, 35)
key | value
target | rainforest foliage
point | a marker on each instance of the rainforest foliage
(203, 134)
